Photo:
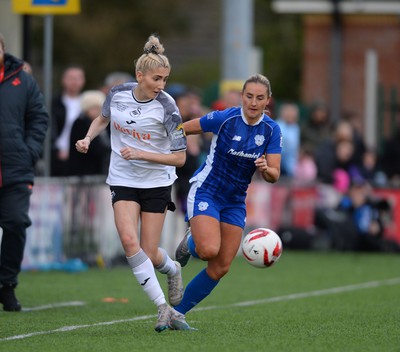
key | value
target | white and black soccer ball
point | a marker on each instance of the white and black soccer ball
(262, 247)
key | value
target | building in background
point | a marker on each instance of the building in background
(352, 28)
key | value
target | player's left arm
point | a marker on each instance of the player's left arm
(269, 164)
(176, 158)
(270, 167)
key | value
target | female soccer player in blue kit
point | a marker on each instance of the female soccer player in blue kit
(244, 139)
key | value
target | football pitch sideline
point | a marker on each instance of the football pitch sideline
(306, 302)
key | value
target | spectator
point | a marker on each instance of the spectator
(336, 153)
(318, 128)
(288, 122)
(366, 216)
(370, 169)
(358, 222)
(189, 108)
(23, 125)
(358, 140)
(306, 170)
(95, 162)
(65, 109)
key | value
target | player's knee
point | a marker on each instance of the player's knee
(128, 243)
(207, 252)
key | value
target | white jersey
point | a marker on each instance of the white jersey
(154, 126)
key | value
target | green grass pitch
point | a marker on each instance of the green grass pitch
(306, 302)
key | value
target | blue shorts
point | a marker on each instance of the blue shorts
(203, 203)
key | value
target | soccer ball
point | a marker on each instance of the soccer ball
(262, 247)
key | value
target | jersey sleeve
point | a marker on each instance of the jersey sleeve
(106, 109)
(212, 121)
(173, 125)
(276, 141)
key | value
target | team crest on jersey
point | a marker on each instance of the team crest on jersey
(259, 139)
(203, 206)
(136, 112)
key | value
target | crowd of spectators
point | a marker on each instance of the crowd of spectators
(348, 213)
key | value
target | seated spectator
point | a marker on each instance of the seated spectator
(358, 222)
(95, 162)
(336, 153)
(370, 169)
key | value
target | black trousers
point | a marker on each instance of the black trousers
(14, 220)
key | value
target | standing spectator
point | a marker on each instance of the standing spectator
(245, 139)
(95, 162)
(65, 109)
(23, 125)
(318, 128)
(188, 109)
(288, 122)
(148, 143)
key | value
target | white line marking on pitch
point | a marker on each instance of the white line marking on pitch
(55, 305)
(333, 290)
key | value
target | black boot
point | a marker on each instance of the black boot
(7, 297)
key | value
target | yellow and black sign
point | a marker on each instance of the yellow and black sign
(47, 7)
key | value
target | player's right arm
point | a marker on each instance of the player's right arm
(192, 127)
(98, 125)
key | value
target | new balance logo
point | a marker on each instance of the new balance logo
(237, 138)
(144, 282)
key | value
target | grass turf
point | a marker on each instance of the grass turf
(306, 302)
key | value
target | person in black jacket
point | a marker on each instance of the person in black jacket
(23, 126)
(65, 109)
(96, 161)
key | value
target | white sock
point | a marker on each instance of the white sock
(143, 269)
(167, 265)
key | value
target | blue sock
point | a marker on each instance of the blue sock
(197, 289)
(192, 247)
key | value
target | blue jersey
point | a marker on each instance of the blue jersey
(229, 167)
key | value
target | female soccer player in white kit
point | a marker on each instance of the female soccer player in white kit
(244, 139)
(148, 143)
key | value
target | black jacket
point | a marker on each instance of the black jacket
(95, 161)
(23, 123)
